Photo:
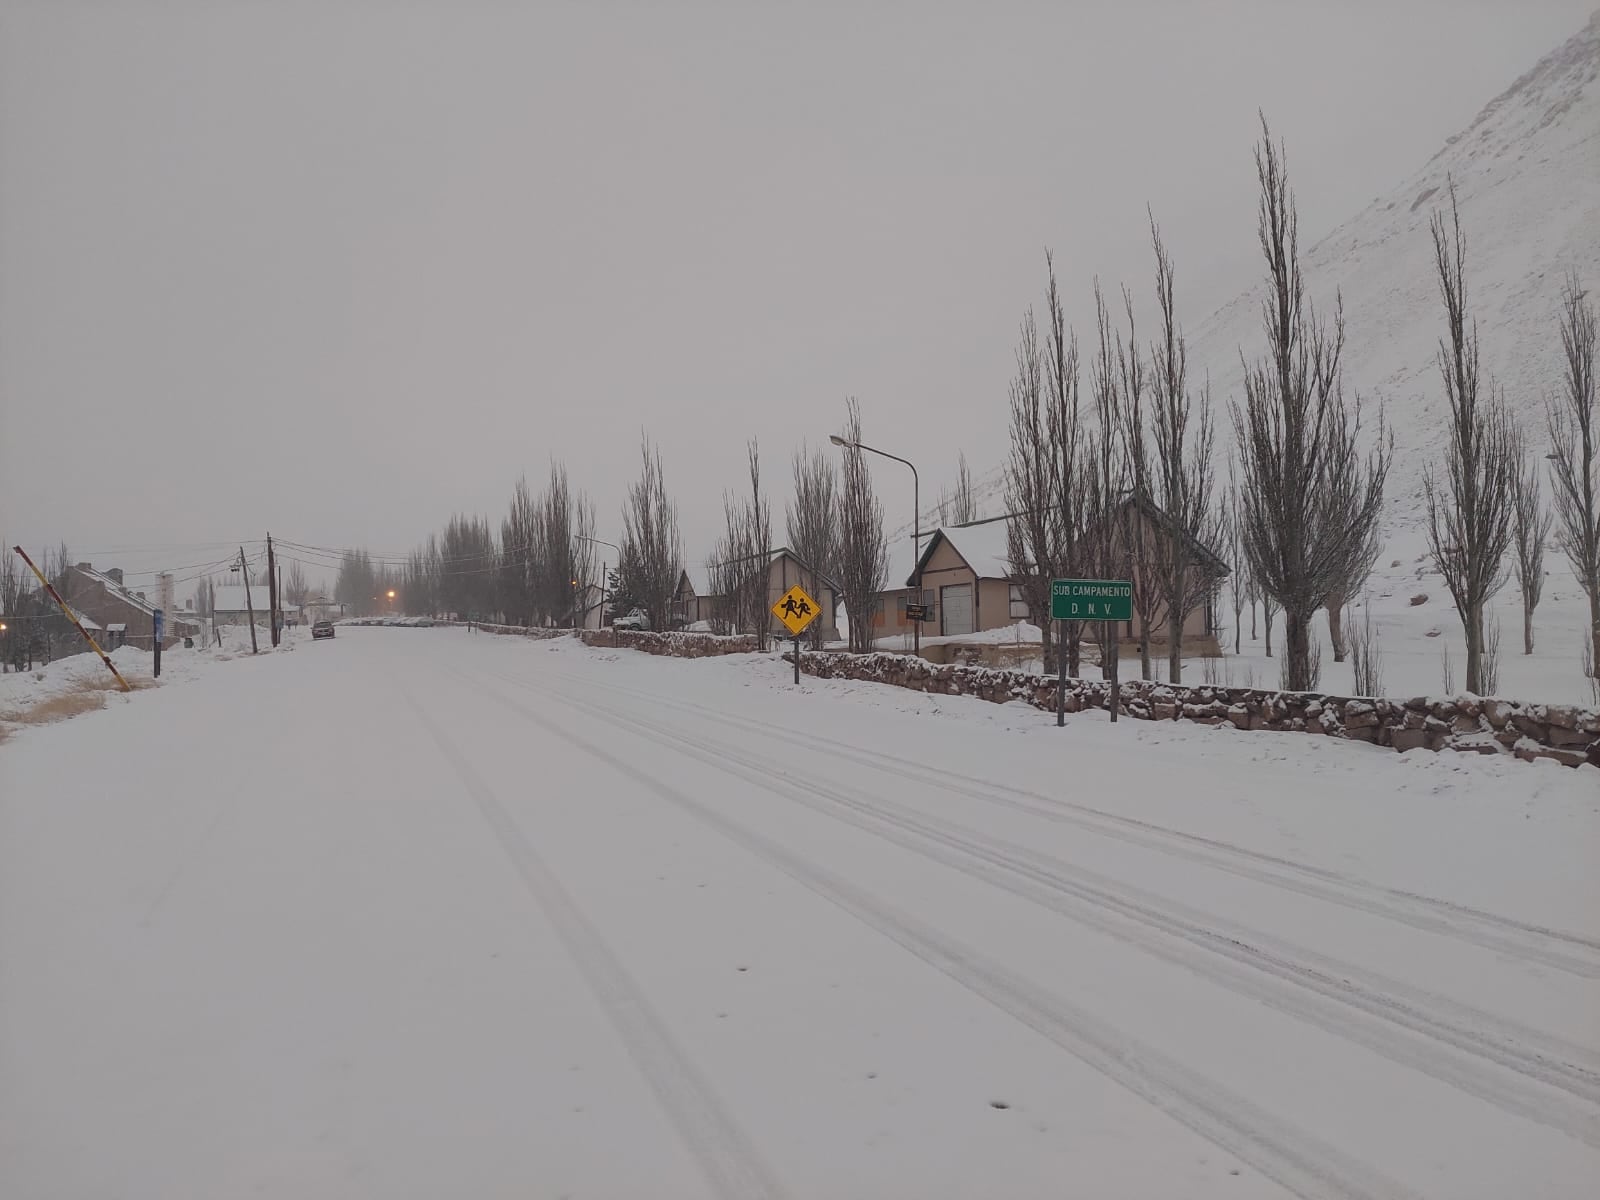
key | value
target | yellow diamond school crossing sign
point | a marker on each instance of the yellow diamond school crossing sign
(796, 609)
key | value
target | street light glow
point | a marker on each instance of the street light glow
(391, 593)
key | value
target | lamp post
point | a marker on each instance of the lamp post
(916, 526)
(600, 542)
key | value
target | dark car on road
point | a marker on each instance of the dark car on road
(322, 629)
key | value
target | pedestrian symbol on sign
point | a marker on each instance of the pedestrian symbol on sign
(795, 609)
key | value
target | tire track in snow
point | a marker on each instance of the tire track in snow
(1528, 942)
(725, 1154)
(1300, 1162)
(1470, 1052)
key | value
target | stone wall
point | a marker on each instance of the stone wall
(1563, 734)
(678, 645)
(537, 632)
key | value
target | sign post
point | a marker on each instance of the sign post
(796, 609)
(158, 626)
(1105, 600)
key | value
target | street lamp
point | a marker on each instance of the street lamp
(601, 542)
(916, 526)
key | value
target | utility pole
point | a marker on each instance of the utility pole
(250, 608)
(272, 593)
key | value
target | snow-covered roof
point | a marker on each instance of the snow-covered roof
(903, 561)
(117, 627)
(231, 598)
(116, 589)
(699, 575)
(983, 545)
(86, 621)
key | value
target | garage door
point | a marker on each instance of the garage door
(956, 603)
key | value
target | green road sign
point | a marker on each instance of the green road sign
(1091, 600)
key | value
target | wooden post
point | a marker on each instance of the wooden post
(1116, 687)
(272, 593)
(71, 616)
(249, 606)
(1061, 677)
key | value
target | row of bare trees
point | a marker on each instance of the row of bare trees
(1486, 517)
(1124, 491)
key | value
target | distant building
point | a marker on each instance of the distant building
(230, 605)
(124, 617)
(969, 586)
(694, 600)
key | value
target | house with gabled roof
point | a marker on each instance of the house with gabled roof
(695, 599)
(970, 587)
(123, 616)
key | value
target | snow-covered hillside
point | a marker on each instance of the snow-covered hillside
(1527, 176)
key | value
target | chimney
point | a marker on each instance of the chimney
(115, 575)
(85, 566)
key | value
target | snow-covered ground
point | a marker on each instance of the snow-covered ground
(413, 913)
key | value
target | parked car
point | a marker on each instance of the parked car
(634, 620)
(322, 629)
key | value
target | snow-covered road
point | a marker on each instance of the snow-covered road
(421, 913)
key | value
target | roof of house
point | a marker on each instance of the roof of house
(699, 577)
(699, 574)
(113, 588)
(1196, 547)
(230, 597)
(981, 545)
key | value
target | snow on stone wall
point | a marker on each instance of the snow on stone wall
(1561, 733)
(678, 645)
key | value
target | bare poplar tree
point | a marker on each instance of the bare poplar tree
(519, 538)
(563, 558)
(1106, 476)
(1032, 533)
(1309, 501)
(963, 501)
(740, 571)
(863, 554)
(1530, 526)
(1135, 520)
(1188, 519)
(1575, 445)
(813, 523)
(1469, 513)
(652, 549)
(295, 588)
(1351, 584)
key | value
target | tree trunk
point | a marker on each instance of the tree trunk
(1074, 648)
(1267, 621)
(1144, 650)
(1175, 649)
(1048, 645)
(1238, 631)
(1527, 627)
(1297, 649)
(1474, 649)
(1253, 633)
(1594, 629)
(1336, 626)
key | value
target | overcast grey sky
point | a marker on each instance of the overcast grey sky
(339, 269)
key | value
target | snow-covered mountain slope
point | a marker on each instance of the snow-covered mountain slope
(1527, 177)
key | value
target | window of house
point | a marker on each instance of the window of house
(1019, 606)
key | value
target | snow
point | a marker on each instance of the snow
(416, 913)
